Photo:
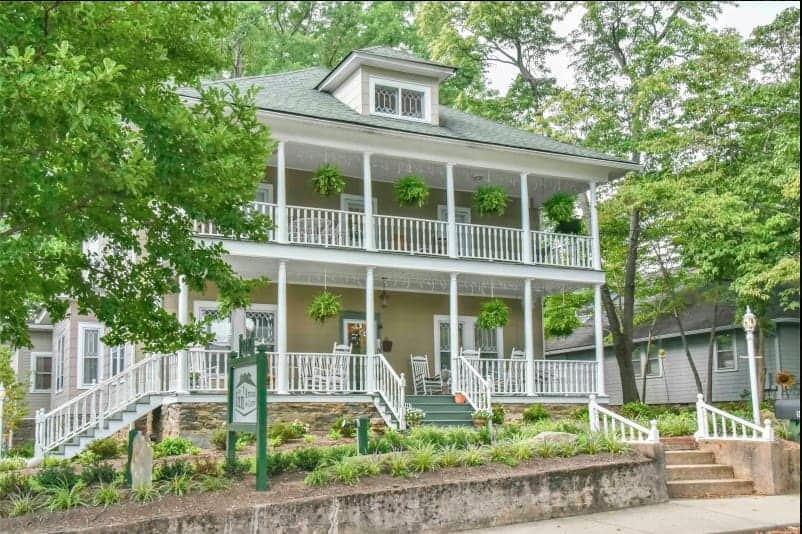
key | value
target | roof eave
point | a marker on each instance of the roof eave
(355, 59)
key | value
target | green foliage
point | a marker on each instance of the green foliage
(345, 425)
(500, 454)
(14, 406)
(493, 314)
(535, 413)
(560, 207)
(214, 483)
(219, 438)
(423, 458)
(318, 477)
(179, 485)
(398, 465)
(206, 467)
(278, 462)
(23, 504)
(490, 200)
(411, 190)
(236, 467)
(334, 435)
(346, 472)
(590, 443)
(580, 413)
(22, 451)
(324, 306)
(287, 431)
(145, 493)
(498, 414)
(103, 472)
(683, 424)
(482, 415)
(12, 464)
(413, 416)
(448, 456)
(244, 439)
(173, 447)
(308, 458)
(57, 476)
(560, 312)
(637, 410)
(106, 448)
(106, 495)
(96, 142)
(170, 470)
(472, 456)
(14, 483)
(328, 180)
(67, 497)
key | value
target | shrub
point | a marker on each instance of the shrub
(394, 438)
(460, 437)
(566, 425)
(637, 410)
(472, 456)
(346, 426)
(86, 458)
(334, 435)
(57, 476)
(170, 470)
(22, 451)
(235, 467)
(676, 425)
(547, 449)
(287, 431)
(535, 413)
(105, 495)
(411, 190)
(613, 445)
(499, 414)
(398, 465)
(307, 458)
(23, 503)
(206, 467)
(212, 483)
(103, 473)
(52, 461)
(590, 443)
(423, 459)
(12, 463)
(368, 466)
(500, 454)
(64, 498)
(580, 414)
(179, 485)
(173, 447)
(426, 435)
(14, 483)
(219, 439)
(106, 448)
(309, 439)
(318, 477)
(278, 463)
(346, 472)
(521, 450)
(448, 457)
(144, 493)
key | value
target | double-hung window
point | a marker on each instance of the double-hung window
(650, 363)
(41, 371)
(401, 100)
(89, 351)
(725, 353)
(117, 356)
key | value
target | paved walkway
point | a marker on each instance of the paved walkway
(680, 516)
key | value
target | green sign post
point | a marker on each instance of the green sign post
(247, 404)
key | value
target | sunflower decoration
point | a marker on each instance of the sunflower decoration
(785, 380)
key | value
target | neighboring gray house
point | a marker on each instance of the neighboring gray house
(669, 379)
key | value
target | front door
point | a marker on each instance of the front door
(354, 333)
(471, 337)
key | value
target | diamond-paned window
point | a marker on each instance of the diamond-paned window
(262, 323)
(412, 103)
(386, 99)
(400, 99)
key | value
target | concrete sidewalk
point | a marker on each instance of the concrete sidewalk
(735, 514)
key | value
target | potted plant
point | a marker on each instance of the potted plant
(459, 398)
(414, 416)
(493, 314)
(387, 345)
(490, 200)
(324, 306)
(481, 417)
(328, 179)
(560, 210)
(411, 190)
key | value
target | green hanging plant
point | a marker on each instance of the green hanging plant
(493, 314)
(560, 207)
(328, 179)
(574, 225)
(411, 190)
(490, 200)
(324, 306)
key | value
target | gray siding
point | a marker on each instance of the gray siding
(41, 341)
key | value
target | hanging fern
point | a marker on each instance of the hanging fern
(490, 200)
(328, 179)
(493, 314)
(324, 306)
(411, 190)
(560, 207)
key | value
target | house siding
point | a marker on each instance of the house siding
(41, 341)
(350, 91)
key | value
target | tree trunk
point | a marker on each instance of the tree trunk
(688, 355)
(711, 347)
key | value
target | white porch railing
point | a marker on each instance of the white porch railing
(207, 369)
(562, 250)
(265, 208)
(714, 423)
(488, 242)
(469, 382)
(505, 376)
(411, 236)
(391, 387)
(318, 372)
(612, 424)
(92, 407)
(324, 227)
(565, 377)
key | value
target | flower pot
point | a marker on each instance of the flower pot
(387, 345)
(459, 398)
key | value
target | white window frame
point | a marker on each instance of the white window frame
(35, 356)
(82, 327)
(124, 349)
(425, 89)
(716, 368)
(442, 213)
(644, 359)
(254, 307)
(59, 357)
(346, 199)
(468, 334)
(266, 187)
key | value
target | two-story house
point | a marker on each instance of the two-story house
(411, 279)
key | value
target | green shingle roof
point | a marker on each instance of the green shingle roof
(394, 53)
(294, 93)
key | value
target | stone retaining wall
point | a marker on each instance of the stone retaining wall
(772, 466)
(439, 507)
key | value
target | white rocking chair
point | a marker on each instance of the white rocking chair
(421, 380)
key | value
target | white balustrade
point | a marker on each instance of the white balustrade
(619, 427)
(209, 229)
(324, 227)
(715, 423)
(563, 250)
(318, 372)
(564, 377)
(391, 387)
(411, 236)
(506, 376)
(489, 242)
(467, 380)
(208, 370)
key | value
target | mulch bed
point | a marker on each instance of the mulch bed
(283, 488)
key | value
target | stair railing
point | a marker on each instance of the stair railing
(102, 400)
(619, 427)
(391, 387)
(468, 381)
(714, 423)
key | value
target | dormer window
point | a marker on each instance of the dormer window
(400, 100)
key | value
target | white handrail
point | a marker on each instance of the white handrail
(391, 387)
(486, 242)
(208, 370)
(506, 376)
(564, 250)
(409, 235)
(712, 423)
(323, 372)
(325, 227)
(565, 377)
(627, 430)
(208, 228)
(467, 380)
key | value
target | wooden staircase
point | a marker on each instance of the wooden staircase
(441, 410)
(694, 474)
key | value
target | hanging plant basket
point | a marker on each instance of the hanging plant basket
(324, 306)
(571, 226)
(490, 200)
(560, 207)
(328, 180)
(411, 190)
(493, 314)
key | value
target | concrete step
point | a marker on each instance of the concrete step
(689, 458)
(679, 444)
(699, 472)
(690, 489)
(432, 400)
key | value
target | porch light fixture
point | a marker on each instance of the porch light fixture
(384, 299)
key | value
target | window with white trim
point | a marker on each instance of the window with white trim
(264, 193)
(117, 357)
(90, 350)
(41, 371)
(651, 363)
(401, 100)
(726, 359)
(58, 371)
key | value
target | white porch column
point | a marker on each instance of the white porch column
(183, 319)
(598, 333)
(529, 338)
(370, 332)
(526, 235)
(452, 212)
(594, 228)
(283, 375)
(453, 328)
(237, 327)
(367, 191)
(281, 193)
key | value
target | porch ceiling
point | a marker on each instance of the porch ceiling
(402, 280)
(388, 169)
